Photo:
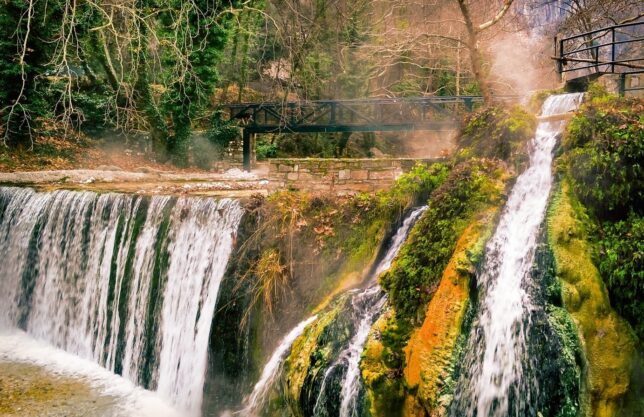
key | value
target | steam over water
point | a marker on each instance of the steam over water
(498, 381)
(128, 282)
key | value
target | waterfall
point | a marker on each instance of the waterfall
(367, 305)
(129, 282)
(497, 380)
(272, 369)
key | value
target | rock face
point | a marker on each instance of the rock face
(431, 349)
(607, 339)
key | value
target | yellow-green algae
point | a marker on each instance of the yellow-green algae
(383, 389)
(608, 341)
(464, 201)
(430, 351)
(298, 363)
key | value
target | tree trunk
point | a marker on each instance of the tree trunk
(475, 54)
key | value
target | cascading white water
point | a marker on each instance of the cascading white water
(271, 370)
(367, 304)
(126, 281)
(496, 382)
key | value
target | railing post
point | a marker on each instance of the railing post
(561, 56)
(332, 104)
(612, 51)
(291, 109)
(622, 84)
(246, 151)
(469, 104)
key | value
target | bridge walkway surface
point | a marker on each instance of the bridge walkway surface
(358, 115)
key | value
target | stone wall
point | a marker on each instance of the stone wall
(339, 174)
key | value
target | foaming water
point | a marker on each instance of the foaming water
(497, 381)
(272, 370)
(366, 305)
(128, 399)
(128, 282)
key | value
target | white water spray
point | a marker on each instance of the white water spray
(272, 370)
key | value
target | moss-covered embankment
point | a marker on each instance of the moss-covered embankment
(588, 269)
(596, 234)
(411, 361)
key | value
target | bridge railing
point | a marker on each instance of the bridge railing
(350, 115)
(613, 49)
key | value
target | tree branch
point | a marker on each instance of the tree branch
(499, 16)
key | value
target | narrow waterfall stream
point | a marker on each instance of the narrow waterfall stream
(367, 305)
(128, 282)
(497, 380)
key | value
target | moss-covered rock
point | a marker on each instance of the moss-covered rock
(414, 276)
(608, 341)
(431, 352)
(439, 256)
(381, 366)
(497, 132)
(311, 354)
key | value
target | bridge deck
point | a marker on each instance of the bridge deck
(360, 115)
(363, 115)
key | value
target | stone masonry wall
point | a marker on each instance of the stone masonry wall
(339, 174)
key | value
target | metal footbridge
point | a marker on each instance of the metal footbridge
(360, 115)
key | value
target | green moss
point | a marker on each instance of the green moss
(471, 189)
(608, 341)
(498, 132)
(381, 366)
(568, 358)
(414, 275)
(310, 356)
(603, 149)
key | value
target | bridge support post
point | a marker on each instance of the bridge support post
(246, 150)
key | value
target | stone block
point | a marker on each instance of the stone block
(285, 168)
(305, 176)
(292, 176)
(344, 174)
(360, 174)
(382, 175)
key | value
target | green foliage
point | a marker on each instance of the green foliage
(498, 132)
(412, 279)
(603, 154)
(597, 93)
(265, 149)
(21, 101)
(621, 264)
(413, 187)
(605, 150)
(222, 132)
